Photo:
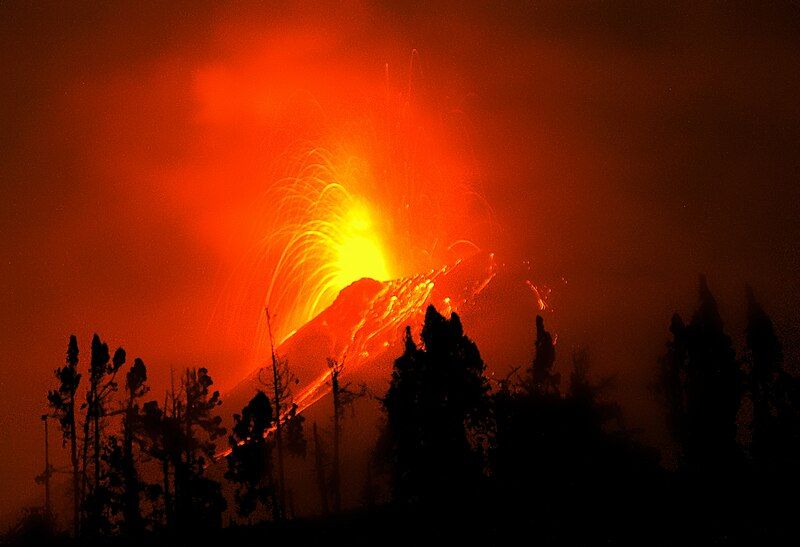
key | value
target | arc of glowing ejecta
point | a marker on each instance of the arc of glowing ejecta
(328, 238)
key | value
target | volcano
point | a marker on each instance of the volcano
(363, 328)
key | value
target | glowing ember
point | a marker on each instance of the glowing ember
(540, 294)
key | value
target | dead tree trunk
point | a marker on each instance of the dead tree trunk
(319, 466)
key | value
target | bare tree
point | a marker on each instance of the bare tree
(279, 381)
(343, 397)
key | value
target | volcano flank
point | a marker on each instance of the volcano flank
(364, 326)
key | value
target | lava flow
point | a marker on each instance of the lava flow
(364, 227)
(366, 322)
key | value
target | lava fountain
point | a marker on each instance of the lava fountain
(366, 232)
(327, 238)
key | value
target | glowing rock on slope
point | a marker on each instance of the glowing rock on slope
(365, 322)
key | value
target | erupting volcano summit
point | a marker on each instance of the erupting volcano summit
(365, 323)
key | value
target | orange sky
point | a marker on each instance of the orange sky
(620, 148)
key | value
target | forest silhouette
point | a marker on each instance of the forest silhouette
(462, 458)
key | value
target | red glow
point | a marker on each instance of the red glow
(372, 184)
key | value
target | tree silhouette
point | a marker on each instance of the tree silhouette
(541, 378)
(296, 442)
(181, 436)
(250, 459)
(530, 423)
(198, 499)
(320, 462)
(135, 388)
(161, 440)
(437, 409)
(561, 467)
(102, 384)
(342, 397)
(279, 381)
(106, 500)
(775, 395)
(701, 381)
(62, 402)
(113, 504)
(671, 384)
(552, 450)
(714, 387)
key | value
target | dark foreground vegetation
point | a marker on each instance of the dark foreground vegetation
(531, 458)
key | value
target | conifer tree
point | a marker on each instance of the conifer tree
(671, 385)
(437, 411)
(135, 388)
(161, 440)
(102, 384)
(250, 459)
(198, 499)
(62, 402)
(713, 389)
(775, 395)
(701, 384)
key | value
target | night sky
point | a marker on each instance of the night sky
(623, 149)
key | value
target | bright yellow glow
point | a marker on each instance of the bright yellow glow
(327, 236)
(359, 254)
